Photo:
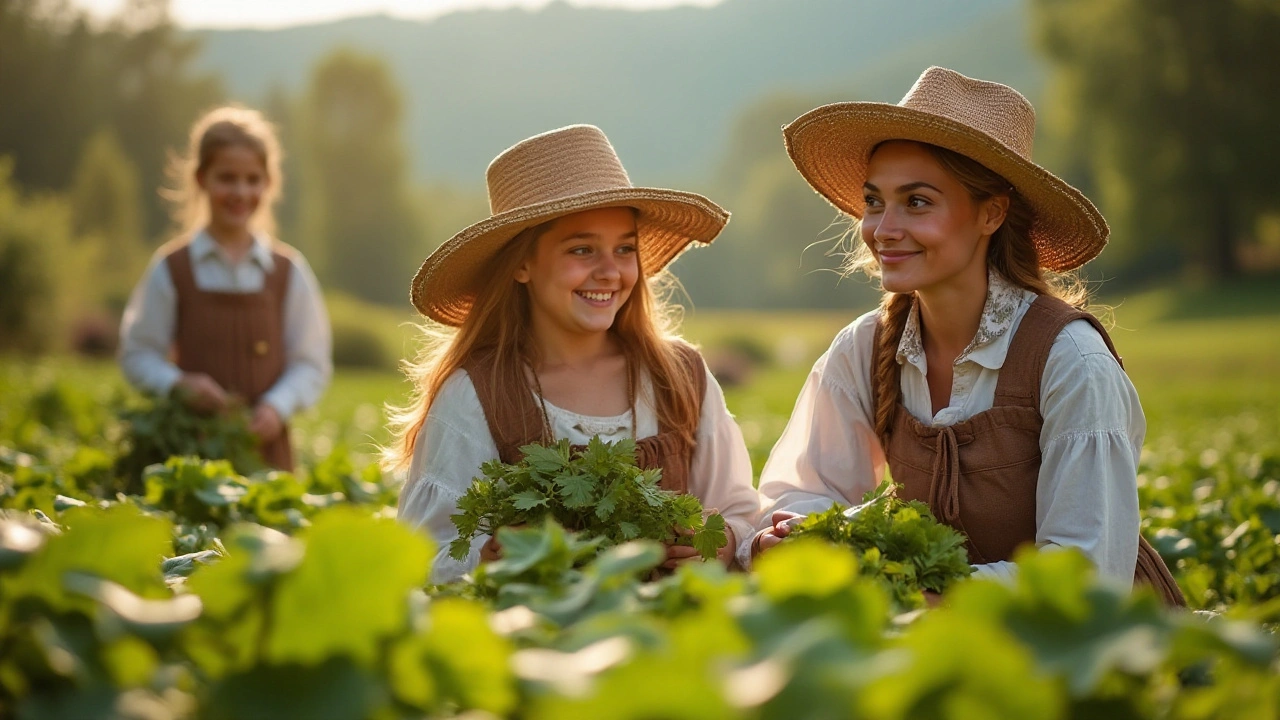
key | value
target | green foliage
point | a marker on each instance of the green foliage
(1156, 116)
(599, 491)
(361, 227)
(900, 543)
(41, 277)
(106, 205)
(166, 427)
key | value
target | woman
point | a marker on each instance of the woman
(559, 335)
(980, 382)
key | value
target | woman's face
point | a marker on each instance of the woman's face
(923, 226)
(234, 181)
(582, 270)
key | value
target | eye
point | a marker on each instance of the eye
(917, 201)
(626, 250)
(871, 201)
(581, 250)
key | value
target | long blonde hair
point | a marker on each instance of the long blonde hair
(1010, 252)
(499, 324)
(220, 128)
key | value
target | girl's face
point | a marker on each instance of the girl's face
(922, 225)
(582, 270)
(234, 181)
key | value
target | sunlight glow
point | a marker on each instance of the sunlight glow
(283, 13)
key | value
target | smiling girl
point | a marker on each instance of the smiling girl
(226, 315)
(980, 382)
(560, 336)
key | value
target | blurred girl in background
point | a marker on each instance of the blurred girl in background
(226, 316)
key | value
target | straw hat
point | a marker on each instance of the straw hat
(545, 177)
(988, 122)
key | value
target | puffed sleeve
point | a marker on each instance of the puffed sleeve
(721, 471)
(452, 445)
(1090, 444)
(828, 452)
(146, 331)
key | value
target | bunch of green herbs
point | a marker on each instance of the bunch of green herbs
(598, 492)
(898, 542)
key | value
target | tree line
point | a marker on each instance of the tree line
(1161, 111)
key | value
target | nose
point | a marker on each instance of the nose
(607, 268)
(887, 226)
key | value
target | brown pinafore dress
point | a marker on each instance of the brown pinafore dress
(517, 421)
(236, 338)
(979, 476)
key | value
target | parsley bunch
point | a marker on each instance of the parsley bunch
(898, 542)
(599, 492)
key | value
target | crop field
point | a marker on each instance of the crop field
(211, 589)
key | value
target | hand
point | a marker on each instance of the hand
(729, 553)
(266, 423)
(491, 550)
(201, 393)
(677, 555)
(769, 537)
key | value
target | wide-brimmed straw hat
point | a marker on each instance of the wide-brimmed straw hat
(558, 173)
(986, 121)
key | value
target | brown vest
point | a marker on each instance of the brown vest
(236, 338)
(517, 421)
(979, 476)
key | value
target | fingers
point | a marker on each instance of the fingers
(266, 423)
(680, 554)
(491, 550)
(782, 515)
(202, 392)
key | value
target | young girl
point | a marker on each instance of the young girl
(979, 381)
(559, 335)
(225, 314)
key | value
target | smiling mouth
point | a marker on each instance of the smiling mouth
(895, 256)
(595, 296)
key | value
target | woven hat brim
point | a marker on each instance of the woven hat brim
(669, 222)
(832, 144)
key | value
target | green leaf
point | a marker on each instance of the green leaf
(547, 460)
(344, 545)
(528, 500)
(577, 490)
(710, 537)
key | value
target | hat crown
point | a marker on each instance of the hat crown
(558, 164)
(996, 110)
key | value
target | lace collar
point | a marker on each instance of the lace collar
(991, 343)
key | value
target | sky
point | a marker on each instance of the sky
(282, 13)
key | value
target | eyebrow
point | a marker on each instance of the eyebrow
(904, 188)
(595, 236)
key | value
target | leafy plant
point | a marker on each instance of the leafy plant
(166, 427)
(599, 492)
(899, 542)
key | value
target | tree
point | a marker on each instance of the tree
(62, 79)
(106, 210)
(357, 210)
(42, 280)
(1171, 109)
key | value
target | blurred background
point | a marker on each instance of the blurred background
(1162, 112)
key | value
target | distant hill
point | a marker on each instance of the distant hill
(666, 85)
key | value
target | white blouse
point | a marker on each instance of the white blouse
(1086, 495)
(455, 441)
